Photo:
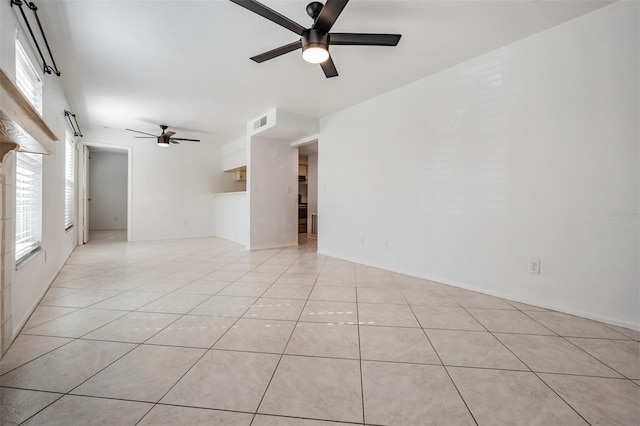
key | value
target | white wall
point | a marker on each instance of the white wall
(108, 191)
(232, 217)
(273, 195)
(33, 278)
(172, 188)
(520, 153)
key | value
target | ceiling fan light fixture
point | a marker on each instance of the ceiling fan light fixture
(315, 46)
(163, 142)
(315, 54)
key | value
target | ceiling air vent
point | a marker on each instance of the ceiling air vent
(260, 123)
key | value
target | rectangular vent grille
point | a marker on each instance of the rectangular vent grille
(260, 123)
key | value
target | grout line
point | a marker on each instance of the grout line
(440, 359)
(284, 349)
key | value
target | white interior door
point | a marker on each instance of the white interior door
(85, 194)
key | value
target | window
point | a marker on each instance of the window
(28, 204)
(27, 78)
(68, 180)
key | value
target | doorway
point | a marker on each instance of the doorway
(105, 210)
(308, 191)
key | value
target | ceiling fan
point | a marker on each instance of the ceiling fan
(165, 138)
(315, 41)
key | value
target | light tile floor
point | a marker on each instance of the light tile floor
(200, 331)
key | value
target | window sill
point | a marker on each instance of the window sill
(27, 257)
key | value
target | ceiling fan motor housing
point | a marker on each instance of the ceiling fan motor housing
(315, 38)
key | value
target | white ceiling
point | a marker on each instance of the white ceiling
(137, 64)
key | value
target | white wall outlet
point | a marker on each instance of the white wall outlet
(534, 266)
(362, 240)
(386, 244)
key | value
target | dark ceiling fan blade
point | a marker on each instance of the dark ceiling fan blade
(168, 134)
(277, 51)
(329, 68)
(138, 131)
(356, 39)
(329, 14)
(145, 137)
(271, 15)
(183, 139)
(174, 142)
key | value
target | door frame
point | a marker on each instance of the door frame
(83, 189)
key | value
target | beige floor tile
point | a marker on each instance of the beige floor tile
(473, 349)
(386, 314)
(411, 394)
(336, 280)
(17, 405)
(572, 326)
(135, 327)
(43, 314)
(76, 410)
(472, 299)
(506, 321)
(83, 298)
(380, 295)
(77, 323)
(297, 279)
(66, 367)
(56, 292)
(246, 289)
(317, 388)
(224, 306)
(397, 344)
(129, 300)
(334, 294)
(429, 297)
(280, 268)
(225, 380)
(264, 420)
(288, 292)
(257, 335)
(204, 287)
(550, 354)
(224, 275)
(525, 307)
(165, 415)
(511, 397)
(277, 309)
(26, 348)
(324, 340)
(621, 355)
(196, 331)
(600, 401)
(333, 312)
(175, 303)
(144, 374)
(260, 277)
(163, 285)
(632, 334)
(445, 317)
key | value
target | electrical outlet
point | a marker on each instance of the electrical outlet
(362, 240)
(534, 266)
(386, 244)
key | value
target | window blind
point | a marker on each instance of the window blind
(68, 181)
(27, 78)
(28, 204)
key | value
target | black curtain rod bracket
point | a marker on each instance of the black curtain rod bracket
(46, 67)
(75, 127)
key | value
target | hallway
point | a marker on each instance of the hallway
(200, 331)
